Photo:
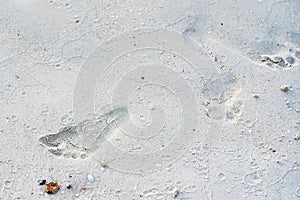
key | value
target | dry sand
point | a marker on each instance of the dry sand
(143, 99)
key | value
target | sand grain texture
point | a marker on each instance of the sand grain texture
(150, 99)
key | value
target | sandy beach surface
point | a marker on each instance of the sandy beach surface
(159, 99)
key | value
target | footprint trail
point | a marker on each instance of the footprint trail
(85, 137)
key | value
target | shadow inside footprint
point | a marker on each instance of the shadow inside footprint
(84, 137)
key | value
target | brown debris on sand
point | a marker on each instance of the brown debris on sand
(51, 188)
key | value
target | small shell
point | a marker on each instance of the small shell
(284, 88)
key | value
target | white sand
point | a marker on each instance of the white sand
(150, 99)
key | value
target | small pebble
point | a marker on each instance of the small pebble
(296, 136)
(42, 182)
(206, 112)
(256, 96)
(103, 164)
(69, 187)
(284, 88)
(90, 178)
(271, 149)
(175, 193)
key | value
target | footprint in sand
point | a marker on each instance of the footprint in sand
(79, 140)
(286, 59)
